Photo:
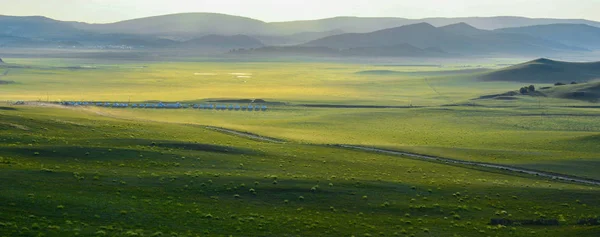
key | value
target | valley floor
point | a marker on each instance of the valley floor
(416, 141)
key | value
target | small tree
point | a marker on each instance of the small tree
(531, 88)
(559, 84)
(523, 90)
(574, 83)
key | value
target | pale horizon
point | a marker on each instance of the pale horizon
(108, 11)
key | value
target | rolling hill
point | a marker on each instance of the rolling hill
(365, 36)
(184, 25)
(570, 34)
(546, 71)
(36, 27)
(585, 91)
(369, 24)
(458, 39)
(589, 92)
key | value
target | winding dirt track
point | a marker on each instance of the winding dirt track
(432, 159)
(246, 134)
(478, 164)
(253, 136)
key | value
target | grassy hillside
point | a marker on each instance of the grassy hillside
(94, 171)
(581, 91)
(546, 71)
(585, 91)
(133, 177)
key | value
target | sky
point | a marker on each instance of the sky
(104, 11)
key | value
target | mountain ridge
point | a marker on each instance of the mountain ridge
(448, 35)
(457, 38)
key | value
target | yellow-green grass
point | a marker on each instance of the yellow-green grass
(561, 140)
(95, 80)
(69, 171)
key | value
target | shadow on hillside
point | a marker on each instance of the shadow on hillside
(181, 145)
(115, 153)
(205, 147)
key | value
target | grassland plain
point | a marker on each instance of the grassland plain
(98, 171)
(68, 79)
(564, 140)
(69, 171)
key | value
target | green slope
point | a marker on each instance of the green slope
(66, 172)
(585, 91)
(546, 71)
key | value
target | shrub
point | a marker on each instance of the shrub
(559, 84)
(524, 90)
(314, 188)
(35, 226)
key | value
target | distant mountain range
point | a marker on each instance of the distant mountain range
(458, 38)
(570, 34)
(340, 36)
(197, 24)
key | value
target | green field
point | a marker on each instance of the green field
(148, 172)
(300, 82)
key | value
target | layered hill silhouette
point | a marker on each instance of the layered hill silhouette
(458, 38)
(348, 35)
(400, 50)
(186, 25)
(369, 24)
(220, 41)
(580, 35)
(546, 71)
(204, 23)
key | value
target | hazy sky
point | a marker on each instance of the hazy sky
(285, 10)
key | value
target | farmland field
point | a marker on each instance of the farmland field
(96, 171)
